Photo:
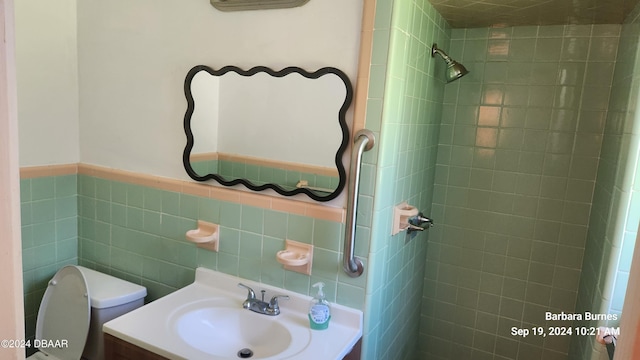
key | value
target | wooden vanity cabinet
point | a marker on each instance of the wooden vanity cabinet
(118, 349)
(355, 352)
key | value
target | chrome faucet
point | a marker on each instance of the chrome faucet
(271, 308)
(417, 223)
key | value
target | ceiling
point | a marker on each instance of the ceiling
(493, 13)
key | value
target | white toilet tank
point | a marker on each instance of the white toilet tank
(110, 298)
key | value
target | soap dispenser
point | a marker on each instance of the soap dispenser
(319, 310)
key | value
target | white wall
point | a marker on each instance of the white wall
(205, 90)
(291, 119)
(47, 72)
(134, 56)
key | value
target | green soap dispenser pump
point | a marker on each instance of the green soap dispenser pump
(319, 310)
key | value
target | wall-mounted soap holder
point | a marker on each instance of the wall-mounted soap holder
(401, 215)
(296, 256)
(206, 236)
(409, 218)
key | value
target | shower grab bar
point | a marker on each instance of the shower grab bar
(363, 141)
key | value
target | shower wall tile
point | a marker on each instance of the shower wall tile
(517, 168)
(613, 221)
(405, 118)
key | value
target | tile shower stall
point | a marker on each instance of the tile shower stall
(518, 155)
(531, 185)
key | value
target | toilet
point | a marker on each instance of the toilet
(77, 302)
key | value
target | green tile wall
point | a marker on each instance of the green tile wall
(404, 110)
(259, 174)
(518, 153)
(49, 236)
(138, 233)
(616, 206)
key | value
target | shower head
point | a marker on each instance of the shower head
(454, 69)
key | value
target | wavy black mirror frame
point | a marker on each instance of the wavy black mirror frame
(284, 72)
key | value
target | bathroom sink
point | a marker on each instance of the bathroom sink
(227, 332)
(206, 320)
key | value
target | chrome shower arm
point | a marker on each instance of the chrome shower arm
(443, 55)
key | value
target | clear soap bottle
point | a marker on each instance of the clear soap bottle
(319, 310)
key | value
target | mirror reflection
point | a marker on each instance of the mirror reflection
(282, 130)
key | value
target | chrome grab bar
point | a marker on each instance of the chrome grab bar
(362, 141)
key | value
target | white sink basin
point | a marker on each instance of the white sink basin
(226, 332)
(205, 320)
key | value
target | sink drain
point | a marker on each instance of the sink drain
(245, 353)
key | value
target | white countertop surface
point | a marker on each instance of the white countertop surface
(150, 328)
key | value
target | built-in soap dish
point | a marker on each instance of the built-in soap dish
(296, 256)
(206, 236)
(401, 214)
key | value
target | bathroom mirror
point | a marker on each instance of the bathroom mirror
(238, 5)
(282, 130)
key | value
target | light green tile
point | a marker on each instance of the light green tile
(300, 228)
(119, 192)
(27, 236)
(103, 189)
(230, 215)
(43, 233)
(528, 184)
(327, 234)
(251, 246)
(326, 263)
(118, 214)
(66, 229)
(297, 282)
(171, 203)
(103, 210)
(189, 206)
(229, 241)
(524, 205)
(135, 218)
(252, 219)
(152, 199)
(275, 224)
(548, 49)
(43, 211)
(42, 188)
(350, 296)
(272, 271)
(135, 195)
(66, 207)
(501, 203)
(66, 185)
(556, 165)
(481, 179)
(507, 160)
(249, 268)
(511, 309)
(25, 190)
(207, 259)
(620, 288)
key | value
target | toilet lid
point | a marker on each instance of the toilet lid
(64, 315)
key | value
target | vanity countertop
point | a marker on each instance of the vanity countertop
(187, 323)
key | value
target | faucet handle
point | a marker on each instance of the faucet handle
(251, 295)
(274, 307)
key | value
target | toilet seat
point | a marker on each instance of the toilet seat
(64, 315)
